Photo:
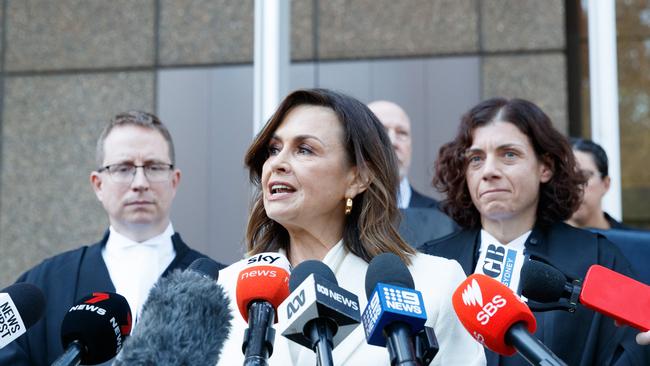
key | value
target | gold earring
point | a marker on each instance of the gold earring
(348, 206)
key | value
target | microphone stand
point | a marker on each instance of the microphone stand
(71, 356)
(400, 345)
(321, 332)
(259, 337)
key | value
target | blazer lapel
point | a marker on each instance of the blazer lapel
(93, 275)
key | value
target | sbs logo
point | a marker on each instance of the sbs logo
(472, 294)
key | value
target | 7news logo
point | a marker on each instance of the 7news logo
(472, 296)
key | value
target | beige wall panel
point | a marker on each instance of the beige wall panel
(522, 24)
(538, 78)
(373, 28)
(206, 31)
(79, 34)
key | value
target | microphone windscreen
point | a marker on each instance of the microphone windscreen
(541, 282)
(387, 268)
(265, 277)
(306, 268)
(29, 300)
(100, 322)
(206, 267)
(184, 321)
(487, 309)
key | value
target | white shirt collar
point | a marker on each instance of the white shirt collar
(119, 241)
(135, 267)
(518, 243)
(404, 196)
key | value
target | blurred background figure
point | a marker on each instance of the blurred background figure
(421, 218)
(592, 162)
(398, 128)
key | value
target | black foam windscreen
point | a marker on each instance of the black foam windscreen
(29, 300)
(205, 266)
(387, 268)
(306, 268)
(100, 322)
(542, 282)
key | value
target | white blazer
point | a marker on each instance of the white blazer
(435, 277)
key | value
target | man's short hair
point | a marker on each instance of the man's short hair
(135, 118)
(596, 151)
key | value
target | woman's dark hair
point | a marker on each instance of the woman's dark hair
(370, 229)
(596, 151)
(558, 198)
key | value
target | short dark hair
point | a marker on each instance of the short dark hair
(558, 198)
(371, 228)
(596, 151)
(135, 118)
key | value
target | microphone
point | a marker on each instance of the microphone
(603, 290)
(21, 306)
(497, 318)
(318, 314)
(184, 321)
(261, 286)
(395, 312)
(94, 329)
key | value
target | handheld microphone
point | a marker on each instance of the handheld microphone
(184, 321)
(261, 286)
(318, 314)
(499, 319)
(94, 329)
(395, 312)
(603, 290)
(21, 306)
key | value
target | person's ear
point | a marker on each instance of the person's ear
(97, 182)
(546, 169)
(358, 183)
(607, 181)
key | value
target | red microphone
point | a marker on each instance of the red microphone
(617, 296)
(500, 320)
(603, 290)
(262, 286)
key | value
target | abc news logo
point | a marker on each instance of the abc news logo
(472, 296)
(299, 300)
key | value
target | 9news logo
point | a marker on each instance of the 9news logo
(402, 300)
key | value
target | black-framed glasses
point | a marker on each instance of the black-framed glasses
(125, 172)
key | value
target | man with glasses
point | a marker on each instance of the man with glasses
(135, 182)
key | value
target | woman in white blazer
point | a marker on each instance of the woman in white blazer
(327, 182)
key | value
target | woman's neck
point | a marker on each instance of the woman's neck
(506, 231)
(304, 245)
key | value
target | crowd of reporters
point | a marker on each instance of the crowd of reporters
(325, 260)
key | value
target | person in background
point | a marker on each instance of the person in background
(592, 162)
(421, 219)
(135, 181)
(398, 128)
(510, 181)
(327, 180)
